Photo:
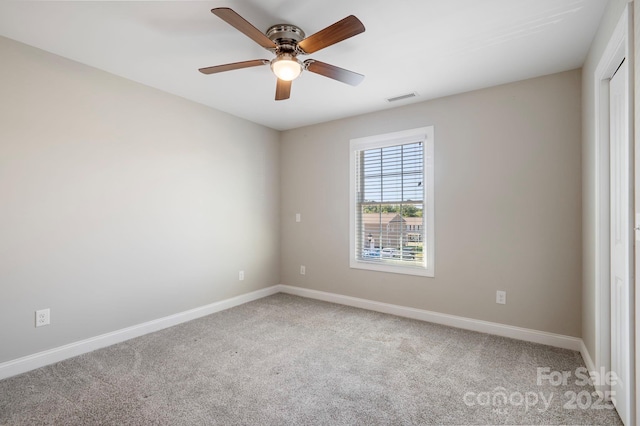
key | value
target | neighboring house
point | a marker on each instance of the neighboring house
(413, 227)
(391, 229)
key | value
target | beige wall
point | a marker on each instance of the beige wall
(121, 204)
(609, 21)
(508, 205)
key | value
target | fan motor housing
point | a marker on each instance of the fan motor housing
(285, 36)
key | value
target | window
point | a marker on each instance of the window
(392, 202)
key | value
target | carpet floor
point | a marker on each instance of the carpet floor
(286, 360)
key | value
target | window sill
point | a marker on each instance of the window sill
(391, 268)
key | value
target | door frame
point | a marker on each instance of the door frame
(618, 48)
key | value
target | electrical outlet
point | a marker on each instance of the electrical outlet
(43, 317)
(298, 217)
(241, 276)
(303, 270)
(501, 297)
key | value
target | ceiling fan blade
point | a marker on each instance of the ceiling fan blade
(233, 66)
(331, 71)
(242, 25)
(283, 90)
(341, 30)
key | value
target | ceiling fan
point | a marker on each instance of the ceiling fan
(287, 42)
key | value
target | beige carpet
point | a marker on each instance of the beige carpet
(286, 360)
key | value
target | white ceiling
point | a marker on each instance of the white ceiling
(432, 47)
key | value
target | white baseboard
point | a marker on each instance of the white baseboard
(587, 357)
(40, 359)
(535, 336)
(600, 386)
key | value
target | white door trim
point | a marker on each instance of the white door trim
(622, 241)
(618, 48)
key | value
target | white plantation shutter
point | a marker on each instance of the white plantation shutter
(390, 216)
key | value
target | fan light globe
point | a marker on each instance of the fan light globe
(286, 67)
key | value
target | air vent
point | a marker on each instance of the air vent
(401, 97)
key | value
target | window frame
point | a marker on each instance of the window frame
(421, 134)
